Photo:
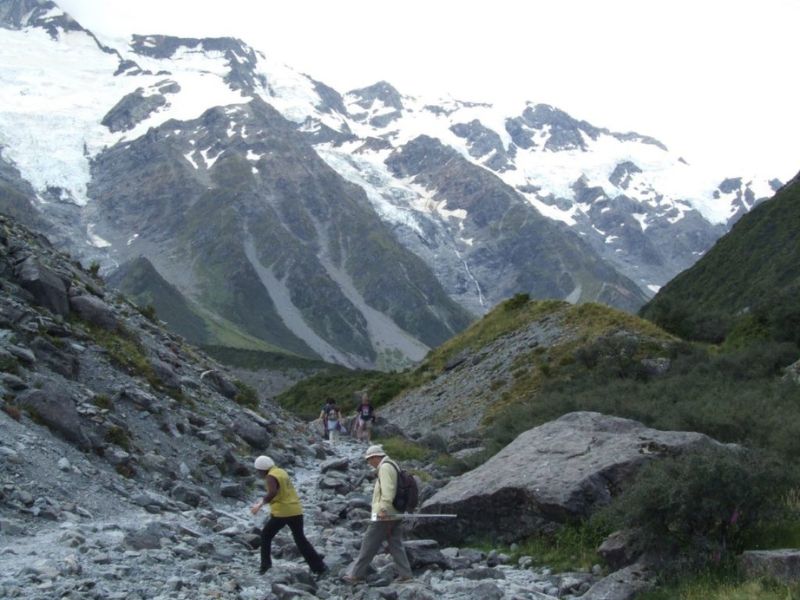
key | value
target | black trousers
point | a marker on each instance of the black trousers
(273, 526)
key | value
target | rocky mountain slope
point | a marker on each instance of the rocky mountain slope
(125, 461)
(502, 360)
(362, 228)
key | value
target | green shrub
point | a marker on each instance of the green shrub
(307, 397)
(9, 364)
(515, 302)
(148, 311)
(246, 396)
(700, 506)
(102, 401)
(400, 448)
(117, 435)
(733, 397)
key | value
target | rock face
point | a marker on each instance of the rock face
(456, 402)
(47, 288)
(550, 474)
(55, 408)
(508, 237)
(292, 221)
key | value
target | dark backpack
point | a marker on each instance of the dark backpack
(407, 496)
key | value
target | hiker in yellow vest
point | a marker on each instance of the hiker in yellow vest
(285, 509)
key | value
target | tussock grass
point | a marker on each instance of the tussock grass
(401, 449)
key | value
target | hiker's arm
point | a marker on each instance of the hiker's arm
(272, 491)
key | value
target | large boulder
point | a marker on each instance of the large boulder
(782, 566)
(54, 407)
(256, 436)
(47, 288)
(551, 474)
(93, 310)
(625, 584)
(218, 381)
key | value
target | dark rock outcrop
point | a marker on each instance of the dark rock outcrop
(54, 407)
(47, 287)
(93, 310)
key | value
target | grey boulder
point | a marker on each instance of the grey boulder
(779, 565)
(47, 288)
(550, 474)
(94, 311)
(54, 407)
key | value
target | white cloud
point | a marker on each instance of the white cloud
(712, 79)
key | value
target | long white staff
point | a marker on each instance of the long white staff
(411, 516)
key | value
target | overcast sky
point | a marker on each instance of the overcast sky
(715, 80)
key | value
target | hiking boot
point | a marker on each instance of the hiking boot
(322, 572)
(264, 569)
(350, 580)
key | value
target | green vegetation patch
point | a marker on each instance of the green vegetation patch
(750, 276)
(117, 435)
(573, 547)
(507, 317)
(733, 397)
(400, 448)
(700, 507)
(125, 351)
(307, 397)
(246, 395)
(255, 360)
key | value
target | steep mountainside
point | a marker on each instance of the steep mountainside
(126, 464)
(363, 229)
(751, 274)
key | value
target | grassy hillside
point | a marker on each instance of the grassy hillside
(746, 287)
(577, 329)
(142, 283)
(599, 359)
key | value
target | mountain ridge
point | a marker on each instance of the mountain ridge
(190, 107)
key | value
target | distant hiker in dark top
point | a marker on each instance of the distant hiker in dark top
(382, 527)
(365, 417)
(331, 417)
(285, 509)
(329, 403)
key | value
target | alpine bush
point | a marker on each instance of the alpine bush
(700, 506)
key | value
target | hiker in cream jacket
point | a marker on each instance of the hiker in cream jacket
(382, 528)
(384, 491)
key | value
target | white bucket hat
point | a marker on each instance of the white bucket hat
(375, 450)
(264, 463)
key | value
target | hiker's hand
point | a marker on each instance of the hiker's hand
(383, 515)
(256, 507)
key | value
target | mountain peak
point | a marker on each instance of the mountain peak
(382, 91)
(19, 14)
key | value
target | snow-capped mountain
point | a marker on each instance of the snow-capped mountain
(354, 227)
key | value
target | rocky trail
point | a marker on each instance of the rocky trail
(107, 539)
